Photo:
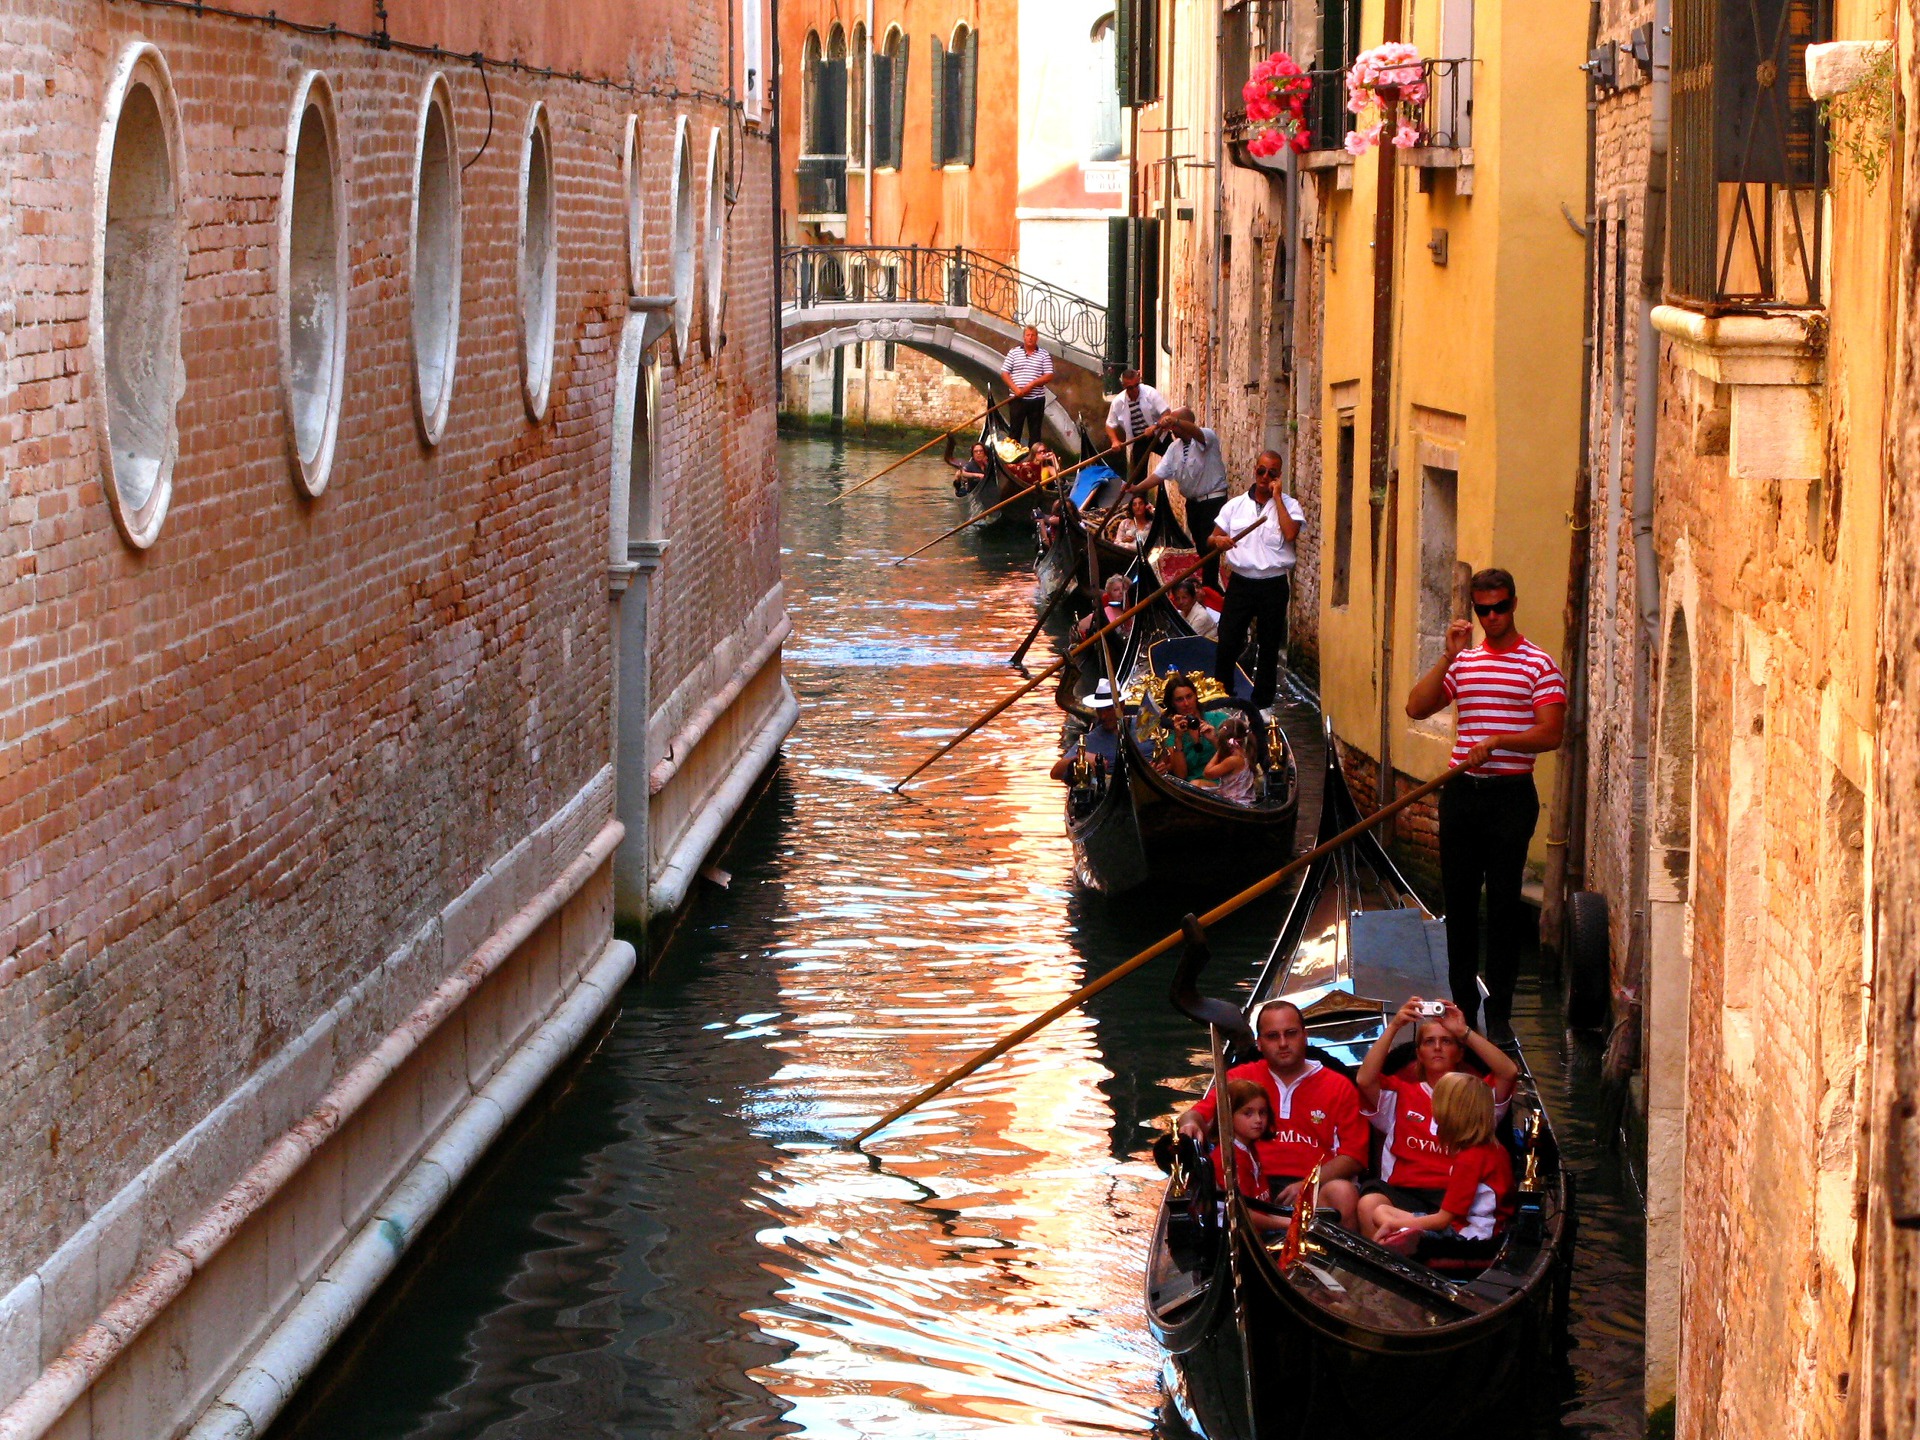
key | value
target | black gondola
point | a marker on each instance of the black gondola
(1349, 1338)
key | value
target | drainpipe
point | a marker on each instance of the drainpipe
(1381, 488)
(866, 141)
(1214, 115)
(1565, 826)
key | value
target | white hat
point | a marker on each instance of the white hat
(1102, 697)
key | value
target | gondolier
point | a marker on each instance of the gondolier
(1262, 584)
(1196, 462)
(1027, 369)
(1131, 421)
(1510, 704)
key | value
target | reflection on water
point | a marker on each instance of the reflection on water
(672, 1245)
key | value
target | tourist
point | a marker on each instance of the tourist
(1135, 528)
(1510, 704)
(1186, 599)
(1113, 600)
(1189, 731)
(1249, 1123)
(971, 471)
(1027, 369)
(1477, 1199)
(1262, 565)
(1195, 463)
(1133, 421)
(1414, 1165)
(1230, 769)
(1098, 739)
(1315, 1110)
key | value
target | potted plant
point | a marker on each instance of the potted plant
(1276, 96)
(1379, 83)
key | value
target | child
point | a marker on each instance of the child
(1230, 768)
(1478, 1199)
(1250, 1118)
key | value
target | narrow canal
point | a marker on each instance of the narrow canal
(671, 1244)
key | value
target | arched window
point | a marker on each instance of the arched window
(890, 101)
(857, 98)
(829, 73)
(955, 69)
(810, 95)
(1103, 108)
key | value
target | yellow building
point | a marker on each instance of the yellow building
(1475, 462)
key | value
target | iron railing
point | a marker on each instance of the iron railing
(1327, 117)
(822, 185)
(1446, 116)
(926, 275)
(1749, 155)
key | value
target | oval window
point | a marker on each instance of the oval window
(433, 258)
(714, 243)
(538, 263)
(630, 175)
(681, 203)
(313, 284)
(140, 264)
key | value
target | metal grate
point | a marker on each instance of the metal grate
(1749, 155)
(822, 185)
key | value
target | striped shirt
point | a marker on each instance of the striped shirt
(1131, 415)
(1494, 693)
(1023, 369)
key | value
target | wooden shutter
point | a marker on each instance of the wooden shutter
(899, 147)
(832, 134)
(1123, 28)
(938, 75)
(969, 86)
(1119, 330)
(880, 110)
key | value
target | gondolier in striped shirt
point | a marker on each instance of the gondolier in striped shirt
(1510, 704)
(1133, 421)
(1027, 369)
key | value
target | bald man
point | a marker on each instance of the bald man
(1262, 584)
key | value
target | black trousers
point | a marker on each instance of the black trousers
(1485, 827)
(1026, 413)
(1262, 604)
(1201, 515)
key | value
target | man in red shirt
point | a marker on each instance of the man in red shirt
(1315, 1110)
(1510, 704)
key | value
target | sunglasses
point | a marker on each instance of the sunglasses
(1266, 470)
(1499, 607)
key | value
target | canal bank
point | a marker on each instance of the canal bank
(671, 1245)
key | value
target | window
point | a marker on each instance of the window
(890, 102)
(1339, 44)
(1748, 154)
(680, 207)
(955, 70)
(537, 264)
(434, 259)
(1343, 510)
(1236, 58)
(1137, 51)
(830, 95)
(1103, 109)
(1256, 316)
(631, 177)
(1449, 120)
(140, 265)
(857, 61)
(714, 247)
(810, 94)
(754, 88)
(1442, 577)
(312, 274)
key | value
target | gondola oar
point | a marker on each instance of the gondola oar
(1059, 664)
(1053, 601)
(1054, 479)
(921, 451)
(1152, 952)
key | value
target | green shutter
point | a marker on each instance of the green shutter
(880, 111)
(1119, 227)
(899, 150)
(969, 89)
(1123, 27)
(938, 72)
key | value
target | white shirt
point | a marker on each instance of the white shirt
(1202, 621)
(1198, 467)
(1120, 414)
(1265, 553)
(1020, 368)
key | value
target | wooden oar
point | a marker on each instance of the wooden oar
(1054, 668)
(1054, 479)
(921, 451)
(1152, 952)
(1059, 592)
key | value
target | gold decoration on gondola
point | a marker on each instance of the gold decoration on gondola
(1009, 449)
(1532, 1180)
(1154, 687)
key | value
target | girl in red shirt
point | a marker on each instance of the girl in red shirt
(1477, 1199)
(1250, 1120)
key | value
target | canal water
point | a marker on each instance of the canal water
(671, 1244)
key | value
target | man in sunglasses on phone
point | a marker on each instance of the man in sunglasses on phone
(1510, 704)
(1262, 564)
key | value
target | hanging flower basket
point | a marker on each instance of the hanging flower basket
(1276, 97)
(1381, 81)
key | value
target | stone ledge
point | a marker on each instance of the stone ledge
(1774, 369)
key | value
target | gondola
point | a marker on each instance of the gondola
(1008, 473)
(1325, 1333)
(1138, 824)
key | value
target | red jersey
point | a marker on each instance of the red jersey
(1494, 693)
(1246, 1170)
(1314, 1119)
(1480, 1191)
(1411, 1153)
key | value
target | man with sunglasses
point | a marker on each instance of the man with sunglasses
(1262, 583)
(1510, 704)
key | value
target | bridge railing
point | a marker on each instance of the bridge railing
(882, 275)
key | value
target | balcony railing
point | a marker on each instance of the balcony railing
(823, 186)
(1327, 116)
(1446, 116)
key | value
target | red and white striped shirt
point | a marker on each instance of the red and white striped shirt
(1494, 692)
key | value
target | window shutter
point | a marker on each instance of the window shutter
(880, 104)
(1119, 346)
(969, 78)
(899, 148)
(938, 140)
(1123, 27)
(833, 108)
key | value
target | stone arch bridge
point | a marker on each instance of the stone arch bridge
(959, 306)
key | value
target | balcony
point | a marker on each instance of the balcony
(822, 187)
(1446, 125)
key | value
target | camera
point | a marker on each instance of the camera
(1430, 1009)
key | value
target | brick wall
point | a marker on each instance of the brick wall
(247, 765)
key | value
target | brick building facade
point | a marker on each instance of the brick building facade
(382, 614)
